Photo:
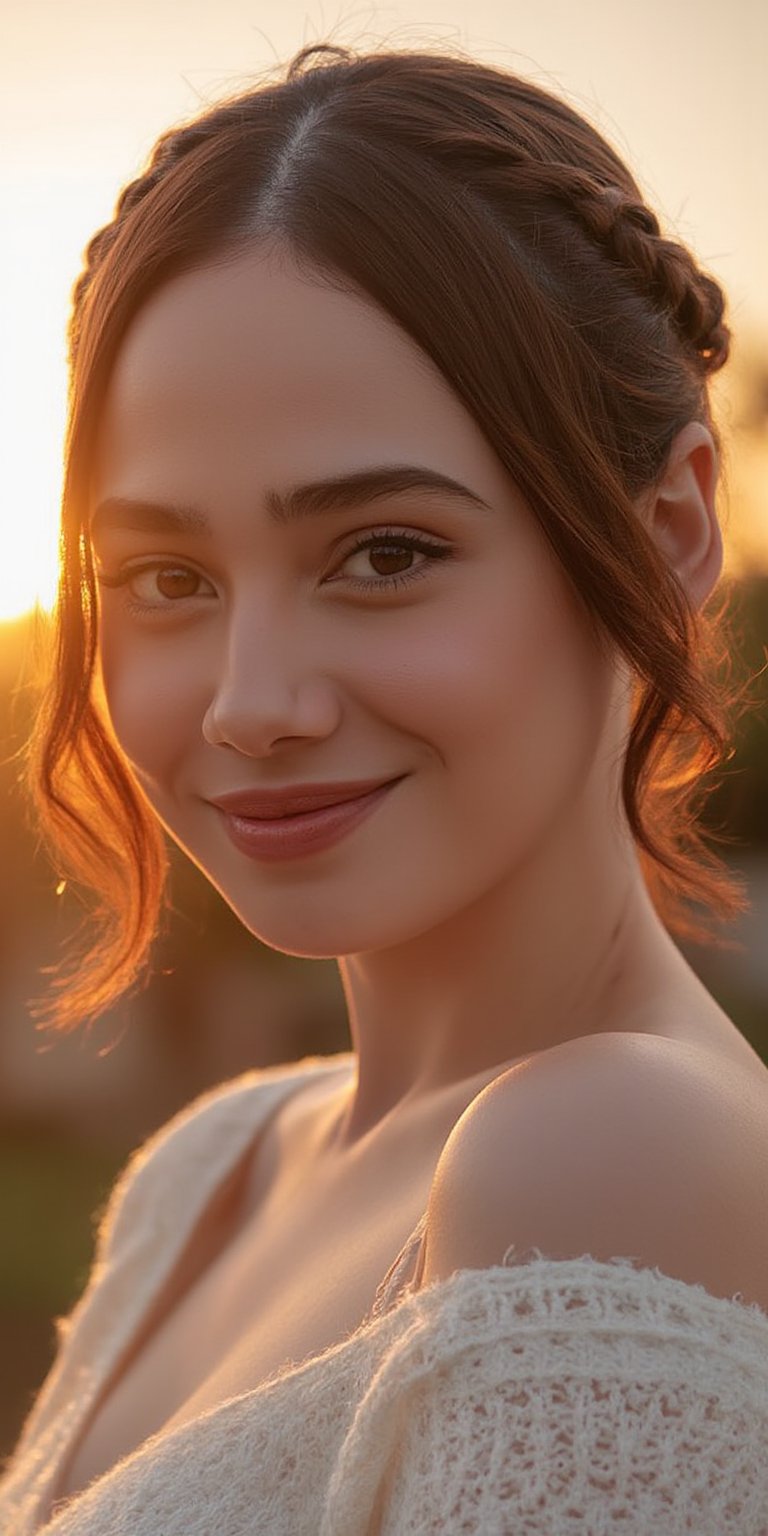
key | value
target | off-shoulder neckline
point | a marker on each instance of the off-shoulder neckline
(396, 1291)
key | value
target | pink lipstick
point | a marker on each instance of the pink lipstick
(258, 825)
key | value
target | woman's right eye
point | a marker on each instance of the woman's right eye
(156, 585)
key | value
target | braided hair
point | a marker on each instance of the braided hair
(507, 237)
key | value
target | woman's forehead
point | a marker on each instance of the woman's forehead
(257, 323)
(254, 358)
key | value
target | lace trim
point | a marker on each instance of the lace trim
(398, 1281)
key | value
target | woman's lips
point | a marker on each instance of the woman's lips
(290, 837)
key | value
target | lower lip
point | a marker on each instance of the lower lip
(291, 837)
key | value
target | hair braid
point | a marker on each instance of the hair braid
(616, 219)
(630, 233)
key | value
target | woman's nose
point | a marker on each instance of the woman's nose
(269, 688)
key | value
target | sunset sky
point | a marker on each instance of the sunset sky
(86, 86)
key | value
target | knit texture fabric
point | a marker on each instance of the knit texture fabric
(538, 1397)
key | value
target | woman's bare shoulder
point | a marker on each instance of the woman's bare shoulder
(619, 1144)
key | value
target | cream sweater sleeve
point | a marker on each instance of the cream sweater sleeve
(139, 1233)
(564, 1398)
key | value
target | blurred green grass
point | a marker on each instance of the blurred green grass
(51, 1192)
(52, 1189)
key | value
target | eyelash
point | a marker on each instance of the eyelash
(380, 538)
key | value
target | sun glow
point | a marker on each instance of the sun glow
(34, 300)
(30, 481)
(38, 264)
(30, 494)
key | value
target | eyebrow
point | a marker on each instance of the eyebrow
(336, 493)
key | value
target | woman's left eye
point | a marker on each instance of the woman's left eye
(393, 553)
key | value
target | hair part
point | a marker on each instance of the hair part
(499, 229)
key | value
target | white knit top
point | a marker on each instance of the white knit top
(538, 1397)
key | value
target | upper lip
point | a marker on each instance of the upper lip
(269, 804)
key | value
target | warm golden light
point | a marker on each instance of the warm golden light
(30, 469)
(30, 500)
(35, 283)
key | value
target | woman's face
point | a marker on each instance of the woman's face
(245, 651)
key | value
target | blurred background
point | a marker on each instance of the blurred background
(85, 87)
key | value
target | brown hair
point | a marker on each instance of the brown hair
(502, 232)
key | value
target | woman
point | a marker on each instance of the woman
(389, 526)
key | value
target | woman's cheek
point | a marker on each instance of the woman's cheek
(150, 696)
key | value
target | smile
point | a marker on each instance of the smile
(307, 832)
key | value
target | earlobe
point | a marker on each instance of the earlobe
(682, 516)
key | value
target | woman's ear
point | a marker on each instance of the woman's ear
(680, 513)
